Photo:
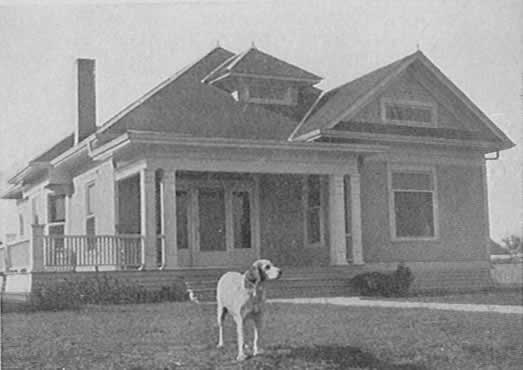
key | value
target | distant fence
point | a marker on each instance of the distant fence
(507, 273)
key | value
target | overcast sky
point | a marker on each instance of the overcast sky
(477, 44)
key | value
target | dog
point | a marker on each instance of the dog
(243, 297)
(378, 283)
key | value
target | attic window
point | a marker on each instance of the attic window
(271, 94)
(409, 113)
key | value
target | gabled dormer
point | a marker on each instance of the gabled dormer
(259, 78)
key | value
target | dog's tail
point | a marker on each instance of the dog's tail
(192, 296)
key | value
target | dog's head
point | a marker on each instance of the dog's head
(262, 270)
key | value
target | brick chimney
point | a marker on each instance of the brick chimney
(86, 120)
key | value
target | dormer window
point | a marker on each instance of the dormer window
(408, 113)
(271, 94)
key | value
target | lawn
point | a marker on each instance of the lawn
(183, 336)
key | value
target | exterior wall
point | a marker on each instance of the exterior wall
(407, 88)
(103, 177)
(462, 220)
(282, 223)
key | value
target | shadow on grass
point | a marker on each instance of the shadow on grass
(318, 357)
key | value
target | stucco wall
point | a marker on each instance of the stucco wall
(462, 220)
(103, 178)
(282, 223)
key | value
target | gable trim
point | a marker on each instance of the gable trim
(365, 99)
(465, 100)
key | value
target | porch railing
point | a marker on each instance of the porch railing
(96, 250)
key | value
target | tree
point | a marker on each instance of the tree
(514, 244)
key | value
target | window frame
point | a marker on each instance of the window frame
(398, 168)
(89, 213)
(192, 187)
(321, 209)
(288, 98)
(411, 104)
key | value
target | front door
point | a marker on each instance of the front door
(216, 224)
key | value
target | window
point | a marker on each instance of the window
(413, 204)
(410, 113)
(56, 208)
(21, 224)
(182, 219)
(313, 210)
(56, 220)
(241, 212)
(90, 219)
(271, 93)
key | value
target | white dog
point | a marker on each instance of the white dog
(243, 296)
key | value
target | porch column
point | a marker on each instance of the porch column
(338, 242)
(36, 248)
(169, 219)
(355, 196)
(148, 216)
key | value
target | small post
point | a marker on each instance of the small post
(36, 248)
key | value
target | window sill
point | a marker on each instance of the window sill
(415, 239)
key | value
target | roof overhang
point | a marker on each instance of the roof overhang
(483, 146)
(13, 192)
(104, 150)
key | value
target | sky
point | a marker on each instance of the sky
(477, 44)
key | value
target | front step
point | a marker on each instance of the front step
(291, 285)
(332, 281)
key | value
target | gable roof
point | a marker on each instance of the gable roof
(254, 62)
(335, 105)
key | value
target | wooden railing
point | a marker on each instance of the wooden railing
(96, 250)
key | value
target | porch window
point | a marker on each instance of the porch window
(212, 219)
(182, 219)
(56, 219)
(414, 204)
(56, 208)
(90, 220)
(313, 210)
(21, 224)
(241, 212)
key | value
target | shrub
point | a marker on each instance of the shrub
(102, 289)
(396, 284)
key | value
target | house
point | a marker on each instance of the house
(241, 156)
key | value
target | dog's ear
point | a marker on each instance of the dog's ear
(253, 275)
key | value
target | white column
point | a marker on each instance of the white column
(355, 196)
(338, 242)
(148, 216)
(169, 219)
(36, 248)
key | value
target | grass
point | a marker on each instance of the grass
(183, 336)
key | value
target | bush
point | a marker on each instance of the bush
(396, 284)
(72, 294)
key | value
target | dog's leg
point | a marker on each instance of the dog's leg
(258, 321)
(220, 312)
(239, 330)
